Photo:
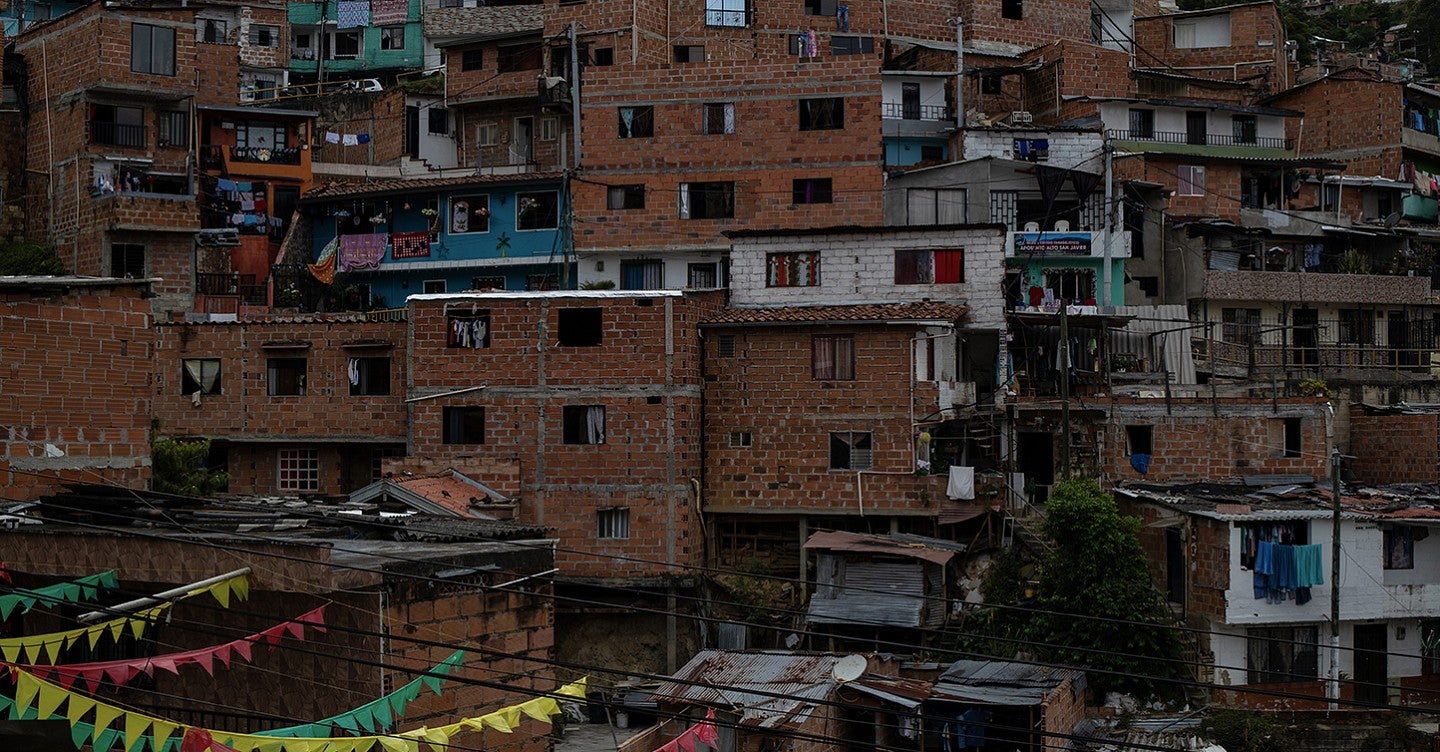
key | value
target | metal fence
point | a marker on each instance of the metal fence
(1200, 139)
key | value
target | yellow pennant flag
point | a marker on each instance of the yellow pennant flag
(11, 651)
(52, 651)
(162, 731)
(104, 716)
(94, 634)
(26, 687)
(541, 708)
(51, 697)
(135, 726)
(573, 689)
(394, 744)
(77, 708)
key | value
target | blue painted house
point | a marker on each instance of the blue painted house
(354, 38)
(404, 237)
(16, 17)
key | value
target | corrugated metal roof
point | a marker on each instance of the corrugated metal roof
(1002, 682)
(889, 594)
(933, 550)
(769, 689)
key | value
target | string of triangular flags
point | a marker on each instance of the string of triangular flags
(75, 591)
(122, 671)
(37, 698)
(377, 716)
(703, 732)
(370, 716)
(46, 648)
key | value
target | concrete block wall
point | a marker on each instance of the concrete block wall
(75, 369)
(860, 267)
(1394, 448)
(1068, 150)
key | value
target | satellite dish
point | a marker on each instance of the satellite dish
(1393, 219)
(849, 668)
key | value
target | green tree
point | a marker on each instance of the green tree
(1098, 570)
(29, 258)
(178, 467)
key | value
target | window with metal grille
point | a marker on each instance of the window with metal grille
(725, 346)
(472, 60)
(702, 276)
(850, 450)
(796, 269)
(262, 35)
(719, 118)
(299, 470)
(213, 31)
(726, 13)
(1282, 654)
(612, 524)
(741, 439)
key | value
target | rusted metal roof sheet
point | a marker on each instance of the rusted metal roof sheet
(1003, 682)
(933, 550)
(769, 689)
(884, 594)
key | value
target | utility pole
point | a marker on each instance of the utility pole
(1332, 688)
(574, 97)
(960, 77)
(321, 47)
(1105, 295)
(1064, 393)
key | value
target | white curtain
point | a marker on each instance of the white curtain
(684, 200)
(206, 373)
(627, 122)
(595, 424)
(729, 118)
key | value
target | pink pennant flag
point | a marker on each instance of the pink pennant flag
(273, 635)
(686, 741)
(65, 678)
(295, 629)
(705, 731)
(242, 648)
(223, 653)
(120, 673)
(167, 664)
(670, 747)
(206, 659)
(41, 670)
(315, 618)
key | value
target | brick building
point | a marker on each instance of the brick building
(1397, 443)
(1242, 42)
(77, 353)
(306, 404)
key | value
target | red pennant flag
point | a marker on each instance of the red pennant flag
(272, 635)
(5, 574)
(196, 740)
(316, 619)
(41, 670)
(167, 664)
(223, 653)
(65, 678)
(206, 660)
(242, 648)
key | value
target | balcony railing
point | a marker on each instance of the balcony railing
(902, 111)
(241, 285)
(1197, 139)
(284, 156)
(117, 134)
(1344, 344)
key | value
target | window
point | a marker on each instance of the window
(378, 457)
(127, 260)
(464, 425)
(519, 57)
(626, 197)
(117, 126)
(560, 62)
(702, 276)
(801, 47)
(583, 424)
(1192, 180)
(1400, 547)
(285, 377)
(212, 31)
(612, 524)
(929, 266)
(1012, 9)
(549, 129)
(1240, 325)
(539, 210)
(200, 376)
(726, 13)
(707, 200)
(1281, 654)
(439, 121)
(1243, 128)
(719, 118)
(822, 114)
(850, 450)
(534, 282)
(299, 470)
(1071, 285)
(832, 357)
(725, 346)
(1293, 434)
(820, 7)
(369, 376)
(487, 283)
(851, 45)
(301, 47)
(1140, 439)
(433, 286)
(262, 35)
(392, 38)
(343, 45)
(471, 329)
(811, 191)
(264, 88)
(935, 206)
(1357, 327)
(992, 83)
(259, 135)
(741, 439)
(580, 327)
(642, 275)
(637, 122)
(799, 269)
(689, 53)
(1206, 31)
(152, 49)
(604, 56)
(1142, 124)
(472, 60)
(487, 134)
(469, 214)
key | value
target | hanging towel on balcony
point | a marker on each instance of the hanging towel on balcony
(1309, 566)
(350, 14)
(362, 251)
(389, 12)
(962, 483)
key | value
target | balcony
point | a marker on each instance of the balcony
(117, 134)
(286, 163)
(242, 286)
(904, 111)
(1213, 144)
(1420, 140)
(290, 156)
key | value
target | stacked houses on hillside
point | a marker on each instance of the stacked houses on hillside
(685, 283)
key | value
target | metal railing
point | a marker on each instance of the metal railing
(902, 111)
(284, 156)
(243, 286)
(116, 134)
(1197, 139)
(1327, 345)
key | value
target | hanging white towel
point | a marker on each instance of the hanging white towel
(962, 483)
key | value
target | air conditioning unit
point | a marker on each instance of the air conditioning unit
(1021, 117)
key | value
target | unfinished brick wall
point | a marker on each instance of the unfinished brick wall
(381, 116)
(1220, 197)
(1355, 120)
(1042, 21)
(1394, 448)
(499, 118)
(1257, 46)
(75, 369)
(1195, 440)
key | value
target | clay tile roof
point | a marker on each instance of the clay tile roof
(345, 189)
(868, 313)
(445, 490)
(483, 21)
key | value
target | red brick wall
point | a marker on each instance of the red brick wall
(75, 369)
(1256, 34)
(1222, 187)
(382, 116)
(768, 389)
(1395, 448)
(1044, 21)
(650, 391)
(1358, 122)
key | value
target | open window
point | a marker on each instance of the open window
(580, 327)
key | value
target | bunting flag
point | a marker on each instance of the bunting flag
(324, 267)
(389, 709)
(122, 671)
(74, 591)
(36, 698)
(702, 733)
(46, 648)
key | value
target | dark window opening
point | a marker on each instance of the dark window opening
(1140, 439)
(1012, 9)
(518, 57)
(285, 377)
(822, 114)
(127, 260)
(707, 200)
(626, 197)
(583, 424)
(369, 376)
(1292, 436)
(472, 60)
(811, 191)
(689, 53)
(604, 56)
(464, 425)
(637, 122)
(580, 327)
(851, 45)
(200, 375)
(850, 450)
(537, 211)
